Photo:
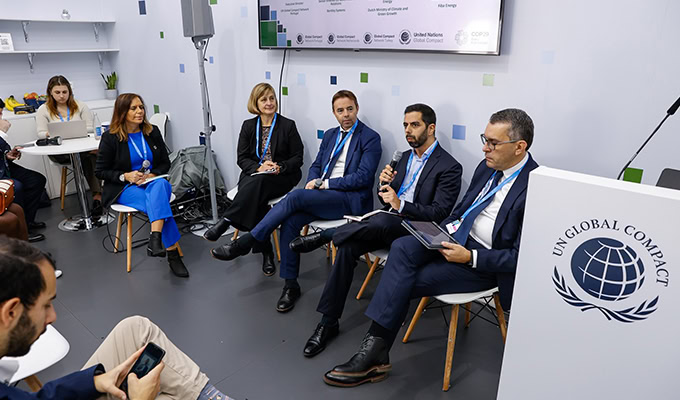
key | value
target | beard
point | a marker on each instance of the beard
(21, 337)
(417, 140)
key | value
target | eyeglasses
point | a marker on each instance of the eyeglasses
(492, 143)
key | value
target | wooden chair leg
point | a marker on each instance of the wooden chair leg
(119, 227)
(467, 314)
(334, 252)
(179, 250)
(277, 245)
(33, 383)
(235, 235)
(416, 317)
(305, 230)
(501, 317)
(64, 172)
(368, 260)
(369, 276)
(450, 346)
(129, 241)
(328, 250)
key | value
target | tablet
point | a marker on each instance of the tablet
(430, 234)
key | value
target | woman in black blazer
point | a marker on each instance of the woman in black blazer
(130, 152)
(269, 145)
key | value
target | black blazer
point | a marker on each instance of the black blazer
(286, 148)
(113, 159)
(437, 188)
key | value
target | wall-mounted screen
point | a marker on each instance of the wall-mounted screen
(454, 26)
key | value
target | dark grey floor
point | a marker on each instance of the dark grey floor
(223, 316)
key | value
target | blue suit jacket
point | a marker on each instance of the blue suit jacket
(77, 386)
(361, 164)
(501, 259)
(437, 188)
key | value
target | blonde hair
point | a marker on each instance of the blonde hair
(258, 91)
(120, 110)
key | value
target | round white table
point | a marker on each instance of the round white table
(73, 147)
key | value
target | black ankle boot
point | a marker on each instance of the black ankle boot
(268, 264)
(155, 247)
(216, 231)
(176, 264)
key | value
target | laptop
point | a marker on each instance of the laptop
(68, 129)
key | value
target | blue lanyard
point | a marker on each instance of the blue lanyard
(143, 157)
(491, 192)
(68, 115)
(339, 145)
(257, 143)
(426, 156)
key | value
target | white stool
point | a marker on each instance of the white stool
(49, 349)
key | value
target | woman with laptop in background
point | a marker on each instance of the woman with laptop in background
(131, 153)
(61, 106)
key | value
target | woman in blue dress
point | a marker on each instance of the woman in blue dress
(131, 152)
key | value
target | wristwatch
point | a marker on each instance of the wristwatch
(471, 263)
(122, 177)
(317, 183)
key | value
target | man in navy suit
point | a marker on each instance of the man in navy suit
(27, 290)
(424, 187)
(340, 182)
(487, 223)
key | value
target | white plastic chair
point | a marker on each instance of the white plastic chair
(161, 121)
(379, 255)
(231, 194)
(126, 213)
(322, 225)
(50, 348)
(456, 300)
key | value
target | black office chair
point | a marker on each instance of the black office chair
(670, 178)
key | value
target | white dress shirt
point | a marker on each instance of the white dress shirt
(482, 228)
(338, 170)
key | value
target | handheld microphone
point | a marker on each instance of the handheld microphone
(393, 164)
(53, 141)
(670, 112)
(145, 167)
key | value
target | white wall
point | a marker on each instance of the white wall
(595, 76)
(82, 70)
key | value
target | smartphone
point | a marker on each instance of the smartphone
(148, 360)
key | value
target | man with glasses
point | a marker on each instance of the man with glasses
(487, 224)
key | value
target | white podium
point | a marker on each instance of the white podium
(595, 306)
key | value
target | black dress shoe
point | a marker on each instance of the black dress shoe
(320, 338)
(370, 364)
(97, 208)
(305, 244)
(155, 247)
(36, 225)
(229, 251)
(176, 264)
(268, 264)
(35, 237)
(216, 231)
(288, 298)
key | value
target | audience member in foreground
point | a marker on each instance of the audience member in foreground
(27, 290)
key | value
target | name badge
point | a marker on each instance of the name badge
(453, 227)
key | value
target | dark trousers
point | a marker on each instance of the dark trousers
(250, 203)
(353, 240)
(28, 186)
(413, 271)
(297, 209)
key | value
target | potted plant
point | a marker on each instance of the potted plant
(111, 82)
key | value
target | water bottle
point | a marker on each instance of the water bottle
(97, 127)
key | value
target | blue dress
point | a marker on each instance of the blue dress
(153, 199)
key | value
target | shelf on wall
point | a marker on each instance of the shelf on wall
(31, 54)
(96, 24)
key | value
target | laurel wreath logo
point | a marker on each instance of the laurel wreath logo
(628, 315)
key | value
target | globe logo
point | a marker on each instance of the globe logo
(607, 269)
(405, 36)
